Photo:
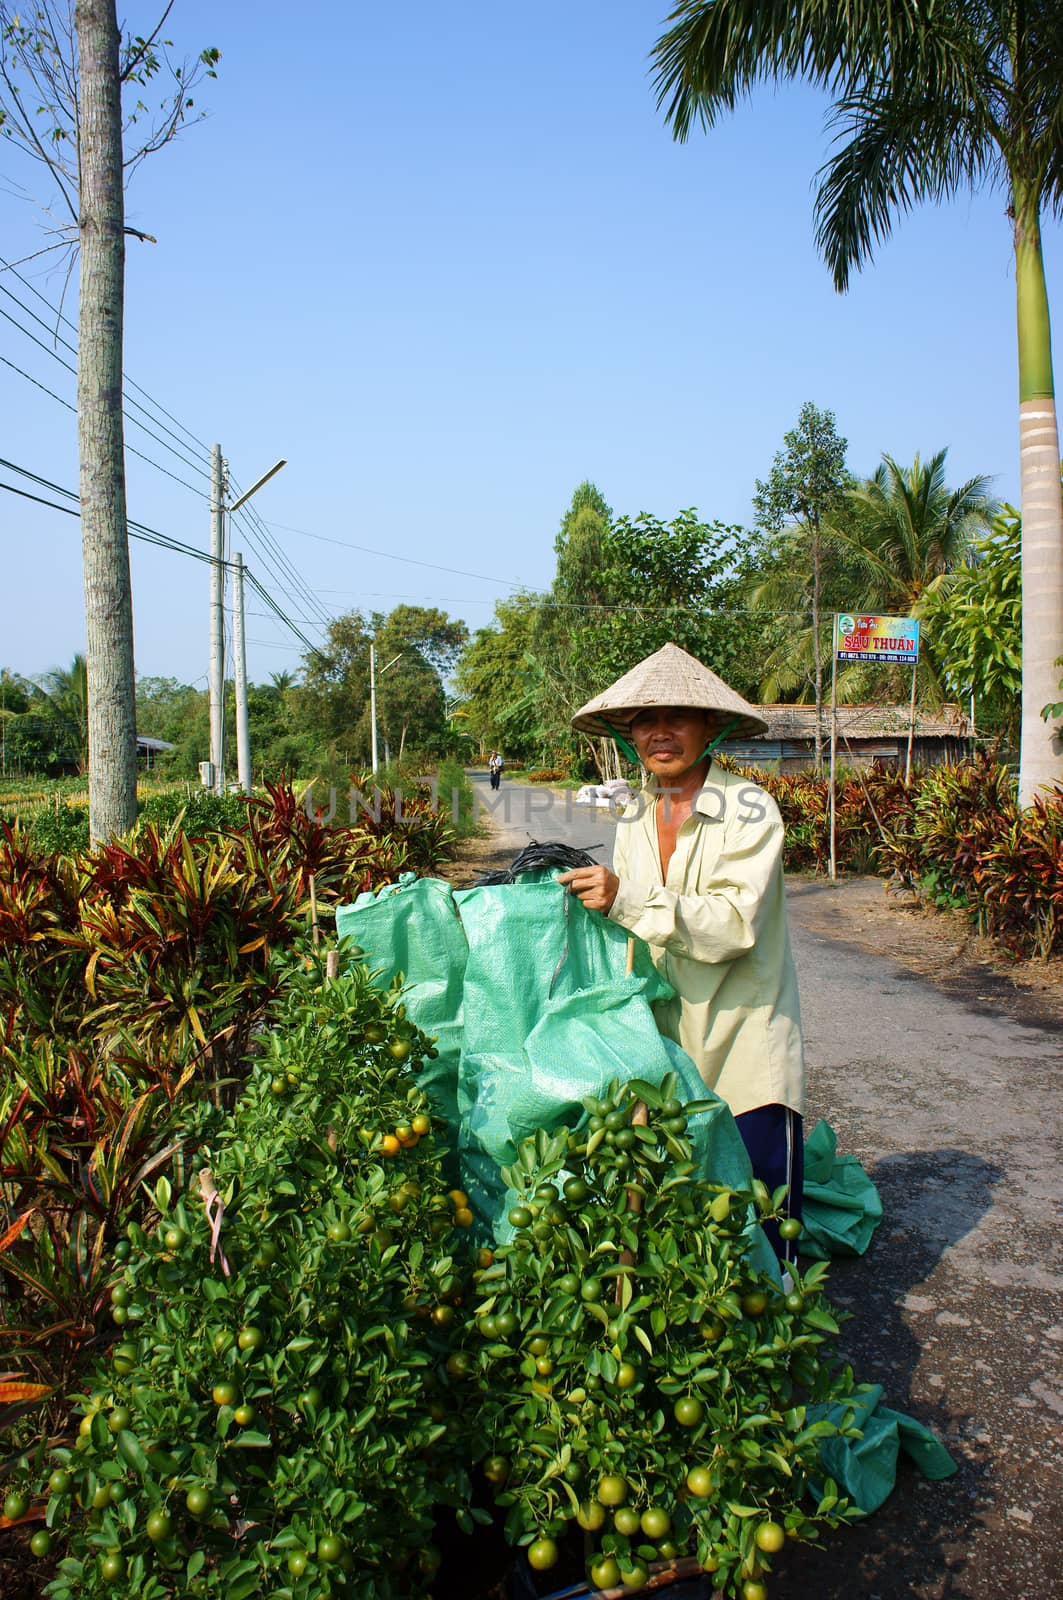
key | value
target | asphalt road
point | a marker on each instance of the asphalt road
(950, 1094)
(519, 813)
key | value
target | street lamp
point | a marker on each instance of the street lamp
(219, 510)
(372, 696)
(243, 732)
(255, 487)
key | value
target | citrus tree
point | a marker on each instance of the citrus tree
(276, 1416)
(642, 1381)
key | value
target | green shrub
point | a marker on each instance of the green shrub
(283, 1409)
(201, 811)
(455, 788)
(62, 830)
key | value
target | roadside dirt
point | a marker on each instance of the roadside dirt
(938, 945)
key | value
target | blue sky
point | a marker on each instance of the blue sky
(448, 261)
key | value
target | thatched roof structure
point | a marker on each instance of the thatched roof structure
(865, 722)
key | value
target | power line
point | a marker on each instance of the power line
(275, 608)
(274, 558)
(265, 545)
(39, 385)
(532, 603)
(152, 536)
(135, 530)
(302, 586)
(365, 549)
(134, 420)
(129, 382)
(139, 530)
(270, 644)
(195, 465)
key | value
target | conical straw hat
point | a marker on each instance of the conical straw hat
(670, 677)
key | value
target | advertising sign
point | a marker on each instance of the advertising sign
(889, 639)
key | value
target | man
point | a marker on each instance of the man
(494, 768)
(697, 873)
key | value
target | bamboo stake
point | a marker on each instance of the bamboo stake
(332, 966)
(313, 911)
(640, 1117)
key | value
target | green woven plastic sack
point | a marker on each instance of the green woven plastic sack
(866, 1468)
(550, 1016)
(527, 994)
(842, 1207)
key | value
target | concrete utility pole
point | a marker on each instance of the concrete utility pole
(372, 702)
(243, 737)
(217, 619)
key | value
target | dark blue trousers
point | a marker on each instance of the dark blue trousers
(774, 1139)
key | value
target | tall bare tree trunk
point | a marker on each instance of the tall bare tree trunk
(105, 542)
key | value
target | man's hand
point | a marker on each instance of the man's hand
(595, 886)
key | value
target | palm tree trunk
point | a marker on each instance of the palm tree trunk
(1041, 754)
(105, 547)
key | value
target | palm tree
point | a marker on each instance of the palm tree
(889, 548)
(904, 531)
(928, 100)
(65, 693)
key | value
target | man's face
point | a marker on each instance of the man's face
(669, 739)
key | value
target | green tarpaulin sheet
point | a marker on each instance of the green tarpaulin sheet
(842, 1208)
(866, 1468)
(527, 994)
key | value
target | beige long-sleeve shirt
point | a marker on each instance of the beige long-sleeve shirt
(716, 926)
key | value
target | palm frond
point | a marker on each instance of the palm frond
(893, 149)
(717, 51)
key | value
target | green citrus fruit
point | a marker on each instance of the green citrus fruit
(199, 1500)
(158, 1526)
(612, 1489)
(655, 1523)
(605, 1574)
(542, 1554)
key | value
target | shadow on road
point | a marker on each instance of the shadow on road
(916, 1543)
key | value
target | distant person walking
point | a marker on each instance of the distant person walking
(494, 767)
